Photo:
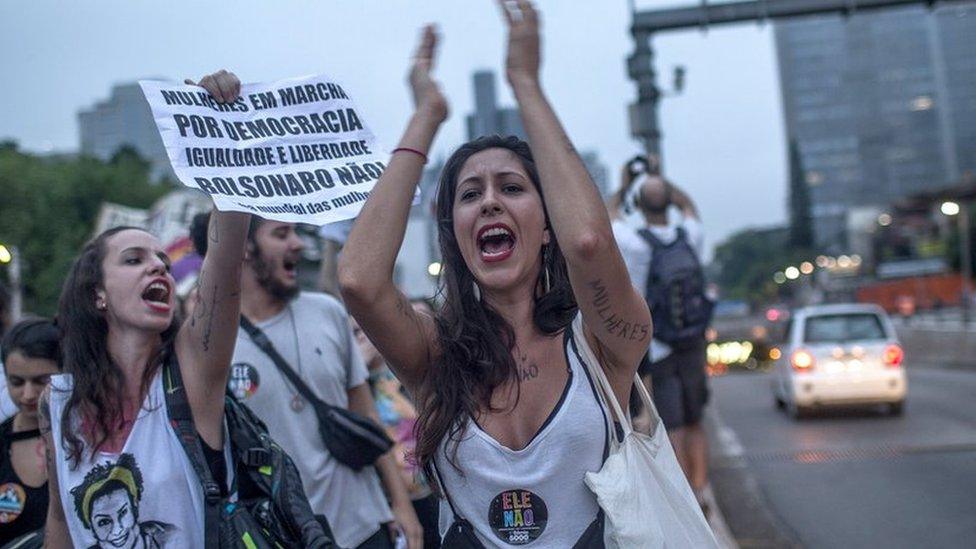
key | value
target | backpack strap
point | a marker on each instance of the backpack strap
(443, 487)
(682, 239)
(181, 417)
(648, 236)
(681, 233)
(264, 343)
(649, 282)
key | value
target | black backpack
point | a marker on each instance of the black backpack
(272, 510)
(675, 291)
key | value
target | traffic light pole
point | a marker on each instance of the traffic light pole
(644, 124)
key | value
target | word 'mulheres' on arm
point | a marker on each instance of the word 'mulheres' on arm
(612, 323)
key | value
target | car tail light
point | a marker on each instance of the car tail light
(802, 361)
(893, 355)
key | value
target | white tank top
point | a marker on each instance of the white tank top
(534, 495)
(147, 493)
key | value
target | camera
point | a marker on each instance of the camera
(638, 165)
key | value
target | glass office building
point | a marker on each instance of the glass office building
(881, 104)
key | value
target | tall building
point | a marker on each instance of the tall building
(881, 104)
(488, 118)
(124, 119)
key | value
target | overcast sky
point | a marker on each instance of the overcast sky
(723, 137)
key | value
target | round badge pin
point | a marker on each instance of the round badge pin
(244, 380)
(12, 500)
(518, 516)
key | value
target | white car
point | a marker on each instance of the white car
(839, 355)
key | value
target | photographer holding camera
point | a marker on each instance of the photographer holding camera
(663, 259)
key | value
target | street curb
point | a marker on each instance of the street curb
(747, 513)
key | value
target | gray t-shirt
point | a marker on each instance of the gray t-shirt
(330, 364)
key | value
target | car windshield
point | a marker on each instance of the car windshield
(849, 327)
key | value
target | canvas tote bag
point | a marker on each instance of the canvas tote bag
(641, 488)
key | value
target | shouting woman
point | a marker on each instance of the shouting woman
(118, 474)
(509, 420)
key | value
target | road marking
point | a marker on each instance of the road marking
(729, 446)
(728, 441)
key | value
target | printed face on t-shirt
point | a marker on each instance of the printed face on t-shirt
(113, 520)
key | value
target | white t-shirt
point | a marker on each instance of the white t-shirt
(7, 406)
(147, 493)
(637, 254)
(536, 494)
(330, 364)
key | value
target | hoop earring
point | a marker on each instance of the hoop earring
(477, 291)
(547, 284)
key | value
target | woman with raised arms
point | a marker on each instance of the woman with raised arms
(118, 475)
(509, 421)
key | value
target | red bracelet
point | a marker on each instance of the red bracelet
(408, 149)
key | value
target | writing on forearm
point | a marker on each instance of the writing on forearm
(208, 330)
(204, 305)
(612, 323)
(199, 306)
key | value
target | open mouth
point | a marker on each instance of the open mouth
(495, 242)
(290, 265)
(157, 295)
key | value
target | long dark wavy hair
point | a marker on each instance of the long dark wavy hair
(98, 382)
(475, 341)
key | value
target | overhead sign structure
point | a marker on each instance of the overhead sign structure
(296, 150)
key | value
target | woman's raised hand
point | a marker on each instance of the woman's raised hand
(224, 86)
(427, 95)
(522, 61)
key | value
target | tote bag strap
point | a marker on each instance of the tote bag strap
(606, 390)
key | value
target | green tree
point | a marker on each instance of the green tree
(48, 208)
(744, 264)
(801, 221)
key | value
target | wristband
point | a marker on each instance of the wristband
(408, 149)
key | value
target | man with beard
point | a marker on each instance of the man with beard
(311, 332)
(675, 370)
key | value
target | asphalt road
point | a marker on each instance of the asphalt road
(857, 478)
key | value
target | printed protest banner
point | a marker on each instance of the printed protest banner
(296, 150)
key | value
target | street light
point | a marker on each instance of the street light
(792, 273)
(951, 209)
(11, 257)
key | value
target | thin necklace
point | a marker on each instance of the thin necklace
(297, 402)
